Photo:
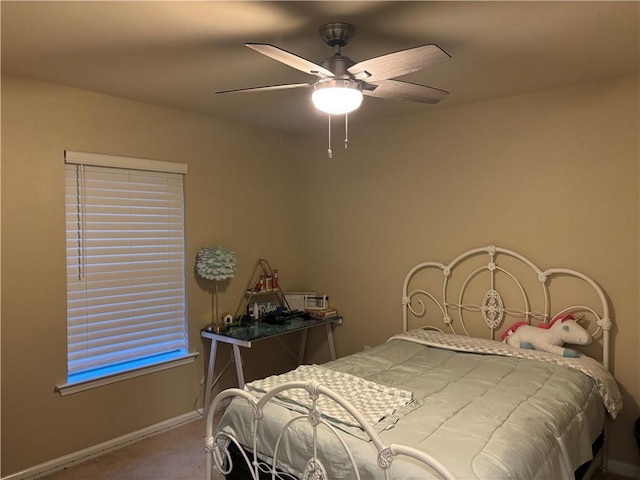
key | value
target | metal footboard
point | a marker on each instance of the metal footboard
(217, 444)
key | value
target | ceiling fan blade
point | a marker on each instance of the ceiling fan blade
(290, 59)
(267, 88)
(398, 63)
(398, 90)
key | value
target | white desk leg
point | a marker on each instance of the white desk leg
(210, 369)
(303, 346)
(238, 360)
(332, 349)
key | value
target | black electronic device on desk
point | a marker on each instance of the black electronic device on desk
(280, 315)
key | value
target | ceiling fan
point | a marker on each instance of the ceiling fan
(342, 82)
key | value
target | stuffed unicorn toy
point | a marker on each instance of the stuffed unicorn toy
(549, 337)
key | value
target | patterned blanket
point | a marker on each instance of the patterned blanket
(374, 401)
(607, 386)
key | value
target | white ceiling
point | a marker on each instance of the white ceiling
(178, 53)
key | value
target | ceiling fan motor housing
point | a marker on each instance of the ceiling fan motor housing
(337, 33)
(338, 64)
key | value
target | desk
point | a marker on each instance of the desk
(245, 336)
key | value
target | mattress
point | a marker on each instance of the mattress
(482, 415)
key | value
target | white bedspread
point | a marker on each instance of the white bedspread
(484, 416)
(605, 382)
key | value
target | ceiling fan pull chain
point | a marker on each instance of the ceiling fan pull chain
(346, 130)
(329, 152)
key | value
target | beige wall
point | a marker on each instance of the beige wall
(553, 175)
(232, 198)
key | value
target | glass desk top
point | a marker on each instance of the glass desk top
(244, 335)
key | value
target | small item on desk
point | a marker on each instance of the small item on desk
(278, 316)
(256, 311)
(316, 302)
(213, 328)
(227, 319)
(322, 313)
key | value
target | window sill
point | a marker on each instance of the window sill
(79, 385)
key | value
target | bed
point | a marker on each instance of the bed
(445, 397)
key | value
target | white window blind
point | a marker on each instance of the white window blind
(125, 262)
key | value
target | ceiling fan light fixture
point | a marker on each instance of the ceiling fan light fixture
(337, 96)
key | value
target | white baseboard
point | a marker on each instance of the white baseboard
(624, 469)
(95, 451)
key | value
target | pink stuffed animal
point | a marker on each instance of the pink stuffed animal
(549, 337)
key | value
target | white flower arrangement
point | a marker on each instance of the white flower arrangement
(216, 263)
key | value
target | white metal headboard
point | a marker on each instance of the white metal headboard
(492, 307)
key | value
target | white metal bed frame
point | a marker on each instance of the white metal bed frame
(493, 311)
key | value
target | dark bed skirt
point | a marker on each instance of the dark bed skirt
(595, 448)
(241, 471)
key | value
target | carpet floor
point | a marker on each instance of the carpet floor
(177, 454)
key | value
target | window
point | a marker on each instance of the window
(125, 267)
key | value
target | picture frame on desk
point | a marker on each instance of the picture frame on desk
(298, 300)
(264, 307)
(316, 302)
